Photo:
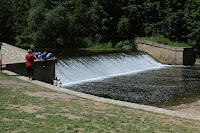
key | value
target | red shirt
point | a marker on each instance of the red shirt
(29, 60)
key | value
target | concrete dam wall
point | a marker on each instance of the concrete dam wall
(45, 74)
(166, 54)
(13, 58)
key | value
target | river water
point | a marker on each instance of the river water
(129, 76)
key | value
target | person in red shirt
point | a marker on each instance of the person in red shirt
(30, 64)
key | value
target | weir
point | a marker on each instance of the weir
(166, 54)
(92, 68)
(130, 76)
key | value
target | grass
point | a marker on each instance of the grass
(99, 48)
(162, 40)
(102, 47)
(23, 110)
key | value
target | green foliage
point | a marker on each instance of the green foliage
(23, 41)
(20, 10)
(6, 30)
(191, 16)
(123, 26)
(89, 41)
(122, 43)
(162, 40)
(102, 46)
(48, 22)
(58, 23)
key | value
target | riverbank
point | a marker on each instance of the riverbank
(10, 121)
(27, 107)
(191, 108)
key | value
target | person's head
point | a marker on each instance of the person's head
(55, 78)
(29, 51)
(44, 53)
(32, 46)
(58, 79)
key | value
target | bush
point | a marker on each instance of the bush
(121, 44)
(102, 46)
(88, 41)
(23, 41)
(160, 39)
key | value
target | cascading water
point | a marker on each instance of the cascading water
(90, 68)
(124, 76)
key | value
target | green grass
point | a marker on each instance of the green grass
(102, 47)
(22, 112)
(162, 40)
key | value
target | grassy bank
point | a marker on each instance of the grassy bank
(162, 40)
(26, 107)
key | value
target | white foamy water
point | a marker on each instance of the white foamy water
(92, 68)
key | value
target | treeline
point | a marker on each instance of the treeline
(66, 22)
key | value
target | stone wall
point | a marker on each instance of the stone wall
(166, 54)
(45, 74)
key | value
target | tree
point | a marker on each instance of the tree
(123, 27)
(20, 10)
(48, 22)
(191, 16)
(5, 22)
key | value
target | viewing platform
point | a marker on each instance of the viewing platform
(13, 59)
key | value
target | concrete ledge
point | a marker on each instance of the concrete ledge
(166, 54)
(111, 101)
(45, 74)
(159, 45)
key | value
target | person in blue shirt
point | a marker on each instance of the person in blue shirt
(42, 56)
(49, 55)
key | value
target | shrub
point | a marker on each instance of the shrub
(122, 43)
(88, 41)
(160, 39)
(23, 41)
(102, 46)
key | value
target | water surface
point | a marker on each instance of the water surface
(130, 76)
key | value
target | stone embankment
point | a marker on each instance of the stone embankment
(12, 54)
(166, 54)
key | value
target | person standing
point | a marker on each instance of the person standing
(55, 81)
(32, 48)
(30, 64)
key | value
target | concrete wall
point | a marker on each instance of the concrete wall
(166, 54)
(45, 74)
